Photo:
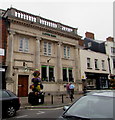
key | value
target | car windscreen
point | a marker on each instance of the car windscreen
(92, 107)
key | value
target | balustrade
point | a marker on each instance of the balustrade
(40, 20)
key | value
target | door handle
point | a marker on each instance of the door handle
(20, 85)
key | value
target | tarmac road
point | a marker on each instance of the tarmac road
(38, 113)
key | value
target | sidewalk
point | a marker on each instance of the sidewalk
(59, 100)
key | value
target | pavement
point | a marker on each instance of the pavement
(50, 101)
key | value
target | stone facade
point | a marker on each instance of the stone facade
(37, 43)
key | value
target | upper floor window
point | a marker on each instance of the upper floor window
(47, 48)
(89, 44)
(112, 50)
(113, 63)
(66, 52)
(88, 62)
(103, 64)
(24, 45)
(96, 64)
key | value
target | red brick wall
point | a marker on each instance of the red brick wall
(3, 38)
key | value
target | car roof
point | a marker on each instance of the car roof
(102, 93)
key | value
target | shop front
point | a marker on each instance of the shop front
(97, 81)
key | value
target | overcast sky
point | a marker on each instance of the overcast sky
(87, 15)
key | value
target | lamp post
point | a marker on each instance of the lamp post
(109, 65)
(48, 68)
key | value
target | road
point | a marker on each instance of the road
(38, 113)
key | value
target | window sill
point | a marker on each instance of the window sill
(89, 68)
(103, 70)
(97, 69)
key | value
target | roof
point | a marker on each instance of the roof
(103, 93)
(97, 41)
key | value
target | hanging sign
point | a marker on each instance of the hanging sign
(1, 52)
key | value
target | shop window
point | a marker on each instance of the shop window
(51, 73)
(47, 73)
(70, 75)
(65, 74)
(44, 73)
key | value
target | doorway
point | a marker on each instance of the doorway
(23, 85)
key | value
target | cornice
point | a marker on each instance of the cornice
(43, 28)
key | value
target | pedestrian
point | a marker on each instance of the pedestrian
(68, 90)
(71, 87)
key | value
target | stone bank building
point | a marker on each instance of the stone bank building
(33, 43)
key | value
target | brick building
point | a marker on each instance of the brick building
(3, 42)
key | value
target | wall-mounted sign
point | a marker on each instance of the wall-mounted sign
(2, 69)
(1, 52)
(49, 34)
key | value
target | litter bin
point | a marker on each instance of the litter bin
(36, 99)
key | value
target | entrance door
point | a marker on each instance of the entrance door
(23, 85)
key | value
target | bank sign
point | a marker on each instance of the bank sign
(1, 52)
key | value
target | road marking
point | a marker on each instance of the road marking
(21, 116)
(40, 112)
(47, 108)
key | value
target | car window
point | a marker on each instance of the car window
(5, 94)
(11, 94)
(92, 107)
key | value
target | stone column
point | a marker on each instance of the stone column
(59, 62)
(10, 58)
(10, 53)
(77, 63)
(37, 53)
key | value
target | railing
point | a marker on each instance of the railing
(37, 19)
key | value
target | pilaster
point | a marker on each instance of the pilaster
(59, 62)
(37, 53)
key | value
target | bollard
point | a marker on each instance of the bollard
(51, 99)
(62, 99)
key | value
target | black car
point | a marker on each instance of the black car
(97, 105)
(10, 103)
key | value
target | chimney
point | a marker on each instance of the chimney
(111, 39)
(89, 35)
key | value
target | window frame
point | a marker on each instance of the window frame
(89, 63)
(24, 44)
(47, 48)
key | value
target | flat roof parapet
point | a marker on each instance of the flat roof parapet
(12, 12)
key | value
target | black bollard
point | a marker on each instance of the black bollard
(52, 99)
(62, 99)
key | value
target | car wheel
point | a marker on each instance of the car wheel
(11, 111)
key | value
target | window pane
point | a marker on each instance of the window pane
(88, 63)
(68, 52)
(49, 48)
(103, 64)
(26, 45)
(45, 48)
(64, 51)
(96, 63)
(21, 45)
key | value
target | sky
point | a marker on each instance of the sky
(94, 16)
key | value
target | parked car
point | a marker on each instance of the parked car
(93, 106)
(10, 103)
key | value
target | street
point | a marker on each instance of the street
(38, 113)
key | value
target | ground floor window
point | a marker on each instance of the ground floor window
(97, 81)
(67, 74)
(47, 73)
